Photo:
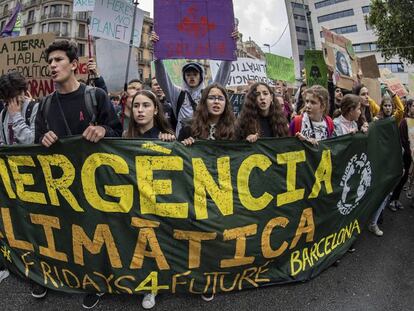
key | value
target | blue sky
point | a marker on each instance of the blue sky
(262, 20)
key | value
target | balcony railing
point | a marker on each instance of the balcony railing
(29, 21)
(81, 35)
(81, 16)
(56, 15)
(30, 3)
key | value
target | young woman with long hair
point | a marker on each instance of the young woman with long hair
(148, 120)
(213, 119)
(262, 115)
(346, 123)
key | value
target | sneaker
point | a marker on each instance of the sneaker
(4, 274)
(375, 230)
(91, 300)
(39, 291)
(392, 206)
(409, 195)
(399, 205)
(149, 301)
(207, 297)
(351, 249)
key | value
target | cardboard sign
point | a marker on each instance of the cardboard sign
(316, 70)
(112, 20)
(243, 71)
(393, 82)
(340, 54)
(369, 67)
(194, 29)
(112, 68)
(83, 5)
(374, 87)
(280, 68)
(26, 55)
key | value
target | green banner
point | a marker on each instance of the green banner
(131, 216)
(316, 69)
(280, 68)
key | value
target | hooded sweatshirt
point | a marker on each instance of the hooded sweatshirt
(172, 92)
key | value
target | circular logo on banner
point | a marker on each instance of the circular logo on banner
(357, 168)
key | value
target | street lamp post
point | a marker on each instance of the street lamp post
(307, 25)
(268, 46)
(131, 43)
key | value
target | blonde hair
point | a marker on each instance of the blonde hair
(320, 93)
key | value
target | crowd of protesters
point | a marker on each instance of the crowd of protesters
(162, 110)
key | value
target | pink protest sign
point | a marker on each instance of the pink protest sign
(194, 29)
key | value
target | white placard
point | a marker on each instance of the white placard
(111, 59)
(244, 70)
(83, 5)
(112, 20)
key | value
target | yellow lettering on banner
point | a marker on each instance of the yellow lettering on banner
(243, 176)
(306, 225)
(150, 188)
(246, 275)
(154, 288)
(27, 264)
(49, 222)
(221, 194)
(46, 270)
(102, 236)
(292, 194)
(148, 237)
(22, 180)
(6, 179)
(295, 263)
(107, 281)
(239, 234)
(194, 244)
(260, 271)
(61, 184)
(231, 288)
(67, 272)
(119, 286)
(8, 229)
(267, 249)
(88, 281)
(123, 192)
(323, 174)
(175, 282)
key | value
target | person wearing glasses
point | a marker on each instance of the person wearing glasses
(213, 119)
(262, 115)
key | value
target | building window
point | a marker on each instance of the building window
(5, 10)
(45, 10)
(2, 25)
(44, 28)
(301, 29)
(65, 31)
(56, 10)
(54, 27)
(296, 5)
(343, 30)
(393, 67)
(325, 3)
(299, 17)
(81, 49)
(30, 16)
(366, 9)
(365, 47)
(336, 15)
(82, 31)
(29, 30)
(301, 58)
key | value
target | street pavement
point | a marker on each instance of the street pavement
(379, 276)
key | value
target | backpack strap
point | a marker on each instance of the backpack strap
(180, 102)
(28, 113)
(297, 124)
(91, 103)
(330, 125)
(45, 106)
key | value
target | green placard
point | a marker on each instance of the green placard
(133, 216)
(316, 69)
(174, 69)
(280, 68)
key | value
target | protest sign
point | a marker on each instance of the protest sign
(26, 55)
(194, 29)
(411, 83)
(243, 71)
(369, 67)
(316, 70)
(133, 216)
(280, 68)
(237, 101)
(114, 68)
(341, 56)
(82, 71)
(393, 82)
(174, 68)
(112, 20)
(83, 5)
(374, 87)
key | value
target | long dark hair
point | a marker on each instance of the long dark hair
(248, 122)
(200, 127)
(159, 119)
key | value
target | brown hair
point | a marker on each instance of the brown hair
(159, 119)
(320, 93)
(385, 98)
(248, 122)
(349, 102)
(224, 127)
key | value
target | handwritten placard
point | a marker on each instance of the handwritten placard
(112, 20)
(83, 5)
(194, 29)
